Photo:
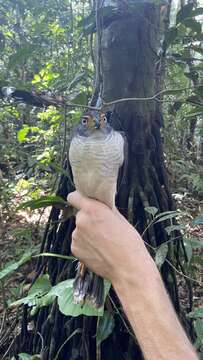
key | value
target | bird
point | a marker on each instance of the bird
(96, 155)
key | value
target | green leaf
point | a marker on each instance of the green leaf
(42, 294)
(161, 254)
(197, 313)
(199, 90)
(196, 243)
(196, 12)
(198, 220)
(166, 216)
(193, 99)
(2, 41)
(38, 294)
(193, 75)
(196, 111)
(24, 52)
(184, 13)
(193, 24)
(44, 201)
(199, 328)
(41, 285)
(21, 134)
(171, 35)
(64, 292)
(188, 249)
(24, 356)
(105, 327)
(76, 80)
(80, 99)
(197, 49)
(10, 268)
(64, 257)
(173, 92)
(152, 210)
(169, 229)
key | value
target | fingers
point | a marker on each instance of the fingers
(73, 247)
(81, 202)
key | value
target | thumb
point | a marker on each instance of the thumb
(76, 200)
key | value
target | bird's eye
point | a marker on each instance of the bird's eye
(84, 121)
(105, 119)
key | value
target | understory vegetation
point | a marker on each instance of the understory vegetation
(48, 64)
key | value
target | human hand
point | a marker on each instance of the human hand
(104, 240)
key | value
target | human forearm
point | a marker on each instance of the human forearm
(112, 248)
(151, 315)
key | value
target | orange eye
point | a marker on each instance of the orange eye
(84, 121)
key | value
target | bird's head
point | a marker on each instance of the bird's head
(93, 123)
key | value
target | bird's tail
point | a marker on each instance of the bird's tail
(88, 287)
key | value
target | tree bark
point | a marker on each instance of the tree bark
(130, 67)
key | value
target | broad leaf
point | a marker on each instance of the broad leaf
(21, 134)
(173, 92)
(199, 328)
(193, 75)
(197, 313)
(42, 294)
(105, 327)
(193, 25)
(10, 268)
(25, 356)
(152, 210)
(161, 254)
(166, 216)
(60, 256)
(169, 229)
(199, 90)
(184, 13)
(196, 12)
(198, 220)
(196, 243)
(197, 49)
(35, 297)
(188, 249)
(41, 285)
(80, 99)
(42, 202)
(171, 35)
(64, 291)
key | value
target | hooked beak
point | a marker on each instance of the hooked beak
(96, 121)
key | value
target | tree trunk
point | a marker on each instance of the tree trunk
(130, 68)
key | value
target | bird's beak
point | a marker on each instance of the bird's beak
(97, 121)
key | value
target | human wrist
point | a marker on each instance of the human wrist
(135, 266)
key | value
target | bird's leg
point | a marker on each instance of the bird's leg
(88, 287)
(82, 270)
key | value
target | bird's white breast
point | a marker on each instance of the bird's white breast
(95, 162)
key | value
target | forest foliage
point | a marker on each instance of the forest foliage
(47, 49)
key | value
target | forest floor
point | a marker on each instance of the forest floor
(21, 231)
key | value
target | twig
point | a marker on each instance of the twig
(174, 268)
(180, 273)
(44, 101)
(121, 317)
(65, 136)
(3, 321)
(77, 331)
(7, 351)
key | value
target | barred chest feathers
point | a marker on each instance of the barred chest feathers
(95, 161)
